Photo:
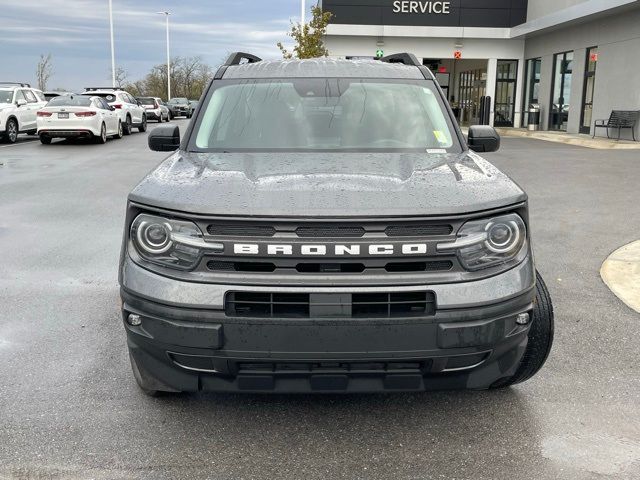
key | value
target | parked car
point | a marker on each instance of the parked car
(194, 105)
(180, 107)
(324, 226)
(19, 104)
(79, 116)
(155, 107)
(131, 113)
(49, 95)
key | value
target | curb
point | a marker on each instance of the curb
(621, 273)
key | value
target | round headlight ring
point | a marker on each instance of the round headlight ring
(512, 239)
(145, 235)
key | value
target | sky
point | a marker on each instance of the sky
(76, 33)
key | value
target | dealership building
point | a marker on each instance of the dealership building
(577, 59)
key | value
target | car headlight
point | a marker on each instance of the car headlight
(170, 242)
(489, 242)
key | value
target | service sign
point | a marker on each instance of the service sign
(432, 13)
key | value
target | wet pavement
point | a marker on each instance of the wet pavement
(69, 407)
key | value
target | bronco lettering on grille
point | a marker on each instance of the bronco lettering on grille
(332, 250)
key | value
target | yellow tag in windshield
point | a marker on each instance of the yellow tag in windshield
(441, 137)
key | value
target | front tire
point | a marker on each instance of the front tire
(540, 338)
(127, 126)
(120, 133)
(11, 133)
(102, 138)
(143, 126)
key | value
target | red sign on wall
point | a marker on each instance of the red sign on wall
(593, 57)
(457, 54)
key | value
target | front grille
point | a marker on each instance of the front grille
(330, 305)
(418, 230)
(240, 230)
(329, 231)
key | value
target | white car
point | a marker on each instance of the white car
(155, 107)
(78, 116)
(131, 113)
(19, 104)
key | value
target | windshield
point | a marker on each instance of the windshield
(70, 101)
(178, 100)
(325, 114)
(6, 96)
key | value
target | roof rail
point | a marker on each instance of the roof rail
(16, 84)
(404, 58)
(91, 89)
(236, 57)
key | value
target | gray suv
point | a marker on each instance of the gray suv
(324, 226)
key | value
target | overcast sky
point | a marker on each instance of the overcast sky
(76, 33)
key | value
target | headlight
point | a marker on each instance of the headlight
(489, 242)
(169, 242)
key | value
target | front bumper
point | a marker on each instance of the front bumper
(471, 342)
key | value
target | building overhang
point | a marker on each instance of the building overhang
(580, 13)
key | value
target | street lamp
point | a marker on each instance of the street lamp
(166, 14)
(303, 13)
(113, 54)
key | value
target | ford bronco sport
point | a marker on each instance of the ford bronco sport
(324, 226)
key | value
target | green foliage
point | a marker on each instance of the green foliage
(309, 37)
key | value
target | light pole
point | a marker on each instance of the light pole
(113, 53)
(302, 15)
(166, 14)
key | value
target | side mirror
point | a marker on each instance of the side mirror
(112, 108)
(483, 138)
(21, 102)
(165, 138)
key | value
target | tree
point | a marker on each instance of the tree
(121, 77)
(189, 77)
(44, 71)
(309, 37)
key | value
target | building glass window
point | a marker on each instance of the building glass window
(589, 85)
(562, 74)
(505, 102)
(532, 85)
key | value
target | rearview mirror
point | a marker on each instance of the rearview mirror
(165, 138)
(21, 102)
(483, 138)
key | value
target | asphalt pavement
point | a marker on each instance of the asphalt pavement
(69, 407)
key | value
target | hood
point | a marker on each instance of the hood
(326, 184)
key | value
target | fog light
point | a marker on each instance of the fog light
(522, 318)
(134, 320)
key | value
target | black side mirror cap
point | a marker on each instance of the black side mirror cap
(165, 138)
(483, 138)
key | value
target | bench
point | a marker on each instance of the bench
(619, 119)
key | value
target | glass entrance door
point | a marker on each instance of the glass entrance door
(505, 100)
(587, 95)
(562, 73)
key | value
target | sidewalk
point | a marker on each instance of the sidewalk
(571, 139)
(621, 273)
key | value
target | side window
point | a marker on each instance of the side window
(31, 98)
(19, 96)
(40, 96)
(129, 98)
(104, 104)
